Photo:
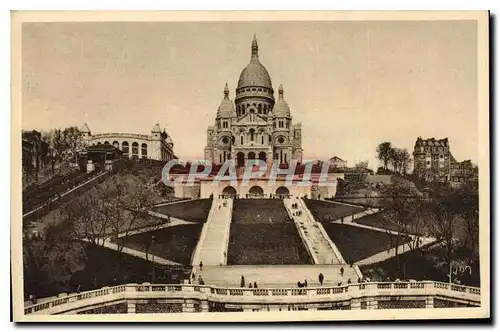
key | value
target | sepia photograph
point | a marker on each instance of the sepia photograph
(250, 166)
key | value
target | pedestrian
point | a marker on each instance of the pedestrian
(299, 284)
(242, 283)
(193, 276)
(201, 266)
(320, 278)
(250, 285)
(341, 271)
(359, 280)
(254, 284)
(305, 283)
(349, 280)
(78, 289)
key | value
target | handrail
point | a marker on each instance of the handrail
(374, 288)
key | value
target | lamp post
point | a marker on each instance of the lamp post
(153, 257)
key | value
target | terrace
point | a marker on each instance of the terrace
(193, 210)
(330, 211)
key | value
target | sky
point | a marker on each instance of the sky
(352, 84)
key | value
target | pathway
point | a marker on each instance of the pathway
(140, 254)
(51, 200)
(173, 222)
(319, 247)
(386, 254)
(214, 239)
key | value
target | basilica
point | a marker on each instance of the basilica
(255, 125)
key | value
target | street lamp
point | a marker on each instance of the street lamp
(153, 257)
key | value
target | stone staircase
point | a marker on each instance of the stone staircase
(214, 240)
(322, 250)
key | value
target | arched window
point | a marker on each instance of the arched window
(106, 143)
(116, 144)
(260, 108)
(125, 148)
(252, 132)
(262, 140)
(135, 150)
(241, 138)
(144, 150)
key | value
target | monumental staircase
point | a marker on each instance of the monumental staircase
(320, 247)
(212, 247)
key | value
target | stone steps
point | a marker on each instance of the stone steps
(214, 246)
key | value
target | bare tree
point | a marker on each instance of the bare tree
(400, 160)
(72, 139)
(445, 220)
(384, 153)
(402, 216)
(57, 146)
(469, 213)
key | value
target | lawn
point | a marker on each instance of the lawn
(175, 243)
(262, 233)
(357, 243)
(262, 244)
(329, 211)
(104, 269)
(193, 210)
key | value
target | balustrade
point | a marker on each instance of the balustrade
(402, 287)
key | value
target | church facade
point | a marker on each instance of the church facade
(255, 125)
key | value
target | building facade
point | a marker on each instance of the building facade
(434, 162)
(157, 146)
(338, 163)
(255, 125)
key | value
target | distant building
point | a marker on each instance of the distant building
(338, 163)
(462, 172)
(434, 162)
(157, 146)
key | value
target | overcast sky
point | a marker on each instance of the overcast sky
(351, 84)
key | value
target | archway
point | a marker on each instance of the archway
(251, 155)
(282, 192)
(256, 191)
(116, 144)
(240, 159)
(125, 148)
(135, 150)
(229, 191)
(262, 156)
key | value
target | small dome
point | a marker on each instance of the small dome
(85, 128)
(255, 74)
(281, 107)
(156, 128)
(226, 108)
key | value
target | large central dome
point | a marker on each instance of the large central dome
(255, 74)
